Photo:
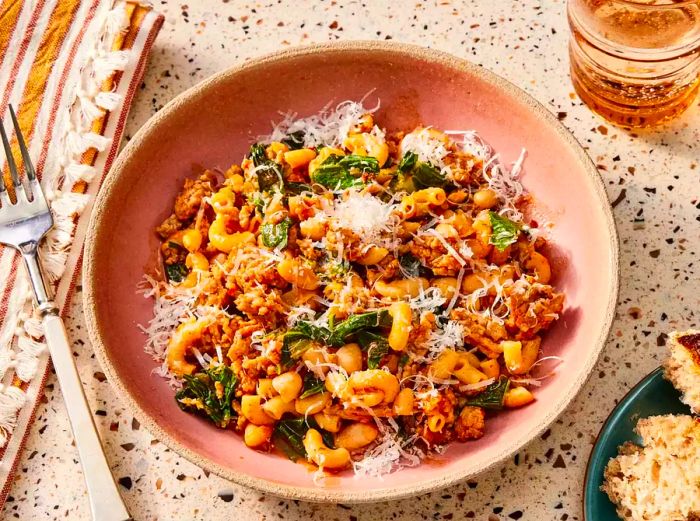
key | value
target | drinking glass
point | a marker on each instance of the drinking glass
(635, 62)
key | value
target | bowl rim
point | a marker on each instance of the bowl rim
(319, 494)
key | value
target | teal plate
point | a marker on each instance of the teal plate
(651, 397)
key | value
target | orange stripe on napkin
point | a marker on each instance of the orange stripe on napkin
(19, 57)
(9, 13)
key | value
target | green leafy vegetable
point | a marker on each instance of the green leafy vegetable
(492, 396)
(335, 177)
(176, 245)
(426, 175)
(332, 269)
(176, 272)
(376, 346)
(403, 360)
(332, 159)
(410, 265)
(310, 331)
(298, 339)
(363, 163)
(269, 176)
(415, 174)
(335, 174)
(403, 183)
(257, 154)
(269, 173)
(356, 323)
(260, 205)
(210, 393)
(408, 161)
(504, 231)
(276, 235)
(312, 385)
(289, 436)
(296, 188)
(293, 346)
(302, 336)
(295, 140)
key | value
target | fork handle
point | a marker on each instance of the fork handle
(106, 504)
(29, 251)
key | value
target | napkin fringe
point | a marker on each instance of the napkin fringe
(21, 347)
(11, 399)
(78, 172)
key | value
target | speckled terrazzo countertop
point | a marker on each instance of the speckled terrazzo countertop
(653, 179)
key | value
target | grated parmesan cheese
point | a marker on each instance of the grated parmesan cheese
(456, 294)
(299, 313)
(428, 145)
(451, 335)
(171, 306)
(557, 362)
(330, 127)
(372, 219)
(506, 184)
(390, 453)
(447, 246)
(427, 300)
(200, 358)
(473, 144)
(478, 385)
(318, 367)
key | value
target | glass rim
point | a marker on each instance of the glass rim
(674, 5)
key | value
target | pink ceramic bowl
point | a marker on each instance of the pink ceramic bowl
(213, 124)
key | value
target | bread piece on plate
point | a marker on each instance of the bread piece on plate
(659, 481)
(682, 368)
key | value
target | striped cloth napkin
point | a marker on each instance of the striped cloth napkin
(70, 69)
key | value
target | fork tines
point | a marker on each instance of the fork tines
(31, 179)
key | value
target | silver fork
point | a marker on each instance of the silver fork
(22, 226)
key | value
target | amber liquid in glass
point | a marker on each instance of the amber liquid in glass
(635, 62)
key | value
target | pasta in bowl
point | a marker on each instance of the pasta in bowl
(345, 293)
(214, 125)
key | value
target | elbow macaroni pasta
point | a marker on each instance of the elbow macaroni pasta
(401, 317)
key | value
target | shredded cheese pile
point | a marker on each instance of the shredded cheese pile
(506, 183)
(450, 336)
(170, 306)
(428, 147)
(390, 453)
(330, 127)
(427, 300)
(366, 215)
(472, 143)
